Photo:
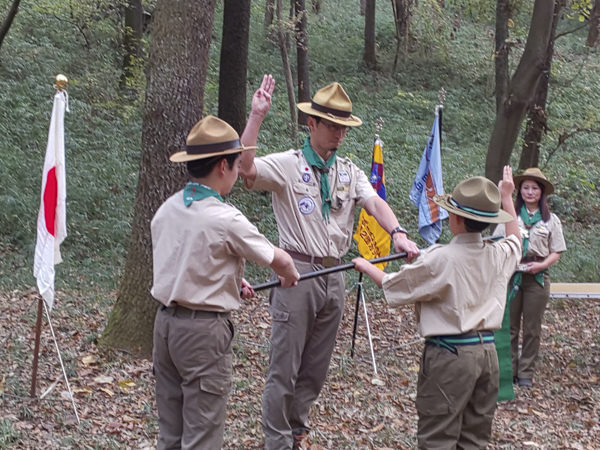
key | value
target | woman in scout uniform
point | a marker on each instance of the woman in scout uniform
(199, 246)
(315, 193)
(543, 242)
(459, 290)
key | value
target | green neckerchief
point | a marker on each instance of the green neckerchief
(529, 223)
(194, 192)
(315, 160)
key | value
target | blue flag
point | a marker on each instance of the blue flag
(428, 183)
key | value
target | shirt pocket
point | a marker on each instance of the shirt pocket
(308, 200)
(539, 239)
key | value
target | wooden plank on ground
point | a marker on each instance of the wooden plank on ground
(575, 290)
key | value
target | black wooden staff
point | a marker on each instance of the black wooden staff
(319, 273)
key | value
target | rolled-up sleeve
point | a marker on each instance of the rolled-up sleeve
(412, 283)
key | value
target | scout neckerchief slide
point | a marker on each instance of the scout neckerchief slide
(315, 160)
(194, 192)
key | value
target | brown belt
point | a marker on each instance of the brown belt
(527, 259)
(188, 313)
(327, 261)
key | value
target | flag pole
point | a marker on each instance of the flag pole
(439, 109)
(358, 292)
(36, 350)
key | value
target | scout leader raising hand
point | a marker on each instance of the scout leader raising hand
(315, 193)
(199, 245)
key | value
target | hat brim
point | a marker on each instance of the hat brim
(444, 202)
(549, 187)
(185, 157)
(351, 121)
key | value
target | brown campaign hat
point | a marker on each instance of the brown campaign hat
(476, 198)
(210, 137)
(535, 174)
(331, 103)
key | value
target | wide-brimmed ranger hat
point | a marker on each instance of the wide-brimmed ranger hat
(535, 174)
(477, 199)
(331, 103)
(210, 137)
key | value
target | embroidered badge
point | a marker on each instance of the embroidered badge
(306, 205)
(374, 178)
(306, 177)
(343, 177)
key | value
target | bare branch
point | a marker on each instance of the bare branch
(564, 33)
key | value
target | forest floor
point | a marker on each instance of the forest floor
(114, 392)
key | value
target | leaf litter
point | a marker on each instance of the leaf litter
(114, 391)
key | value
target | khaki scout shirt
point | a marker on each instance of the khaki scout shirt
(457, 287)
(544, 237)
(199, 253)
(297, 204)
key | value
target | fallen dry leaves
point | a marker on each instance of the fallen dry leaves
(114, 392)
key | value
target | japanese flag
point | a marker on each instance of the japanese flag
(52, 218)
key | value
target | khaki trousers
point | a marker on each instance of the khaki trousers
(530, 303)
(192, 365)
(456, 397)
(305, 320)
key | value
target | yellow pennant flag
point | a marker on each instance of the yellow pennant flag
(373, 241)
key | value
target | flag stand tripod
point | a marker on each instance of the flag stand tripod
(38, 333)
(360, 297)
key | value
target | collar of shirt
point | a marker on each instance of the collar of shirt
(467, 238)
(194, 192)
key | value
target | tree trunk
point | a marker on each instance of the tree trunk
(269, 12)
(369, 56)
(316, 6)
(501, 51)
(282, 40)
(536, 116)
(520, 91)
(176, 75)
(593, 39)
(233, 64)
(9, 20)
(402, 11)
(302, 57)
(132, 42)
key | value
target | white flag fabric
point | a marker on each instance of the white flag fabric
(52, 218)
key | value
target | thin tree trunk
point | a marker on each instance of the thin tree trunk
(14, 9)
(302, 57)
(234, 63)
(132, 43)
(520, 91)
(369, 55)
(176, 75)
(316, 6)
(536, 116)
(282, 40)
(593, 38)
(501, 51)
(269, 12)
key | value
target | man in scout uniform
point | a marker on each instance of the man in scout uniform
(199, 247)
(459, 291)
(315, 193)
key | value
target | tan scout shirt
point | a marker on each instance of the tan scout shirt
(457, 287)
(199, 253)
(544, 237)
(297, 202)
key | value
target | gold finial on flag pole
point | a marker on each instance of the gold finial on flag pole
(61, 82)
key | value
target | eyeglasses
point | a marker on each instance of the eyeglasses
(334, 127)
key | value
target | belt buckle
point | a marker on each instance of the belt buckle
(329, 261)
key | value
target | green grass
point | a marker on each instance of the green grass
(103, 129)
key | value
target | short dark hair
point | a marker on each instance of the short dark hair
(542, 204)
(473, 226)
(200, 168)
(317, 118)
